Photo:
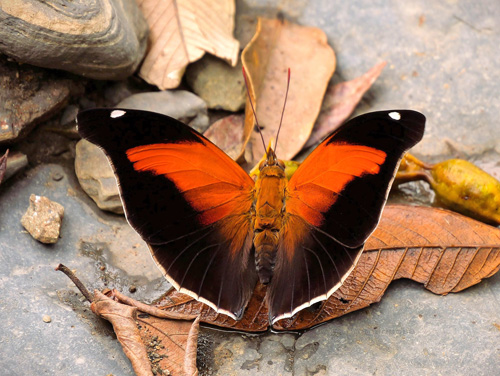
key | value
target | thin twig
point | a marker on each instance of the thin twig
(76, 281)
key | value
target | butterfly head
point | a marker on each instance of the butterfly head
(271, 160)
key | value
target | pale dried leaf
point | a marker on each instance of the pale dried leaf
(123, 319)
(340, 101)
(181, 31)
(277, 46)
(154, 343)
(190, 368)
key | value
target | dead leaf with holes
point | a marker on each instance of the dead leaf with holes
(155, 342)
(180, 32)
(445, 251)
(276, 46)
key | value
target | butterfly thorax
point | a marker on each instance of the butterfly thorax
(269, 212)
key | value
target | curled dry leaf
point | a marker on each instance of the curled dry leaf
(155, 344)
(227, 133)
(276, 46)
(181, 32)
(445, 251)
(3, 165)
(340, 101)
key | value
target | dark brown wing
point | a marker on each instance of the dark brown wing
(186, 198)
(334, 202)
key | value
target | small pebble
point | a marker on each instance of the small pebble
(57, 176)
(46, 318)
(132, 289)
(43, 219)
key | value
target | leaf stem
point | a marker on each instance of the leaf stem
(76, 281)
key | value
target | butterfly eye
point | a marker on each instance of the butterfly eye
(281, 164)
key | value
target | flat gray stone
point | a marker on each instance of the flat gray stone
(97, 39)
(441, 61)
(179, 104)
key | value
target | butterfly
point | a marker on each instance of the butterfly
(215, 233)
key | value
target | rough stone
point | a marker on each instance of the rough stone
(179, 104)
(43, 219)
(28, 96)
(98, 39)
(221, 86)
(96, 177)
(68, 116)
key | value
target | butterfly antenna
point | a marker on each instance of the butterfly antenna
(283, 111)
(253, 109)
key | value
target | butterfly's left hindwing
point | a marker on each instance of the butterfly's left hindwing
(186, 198)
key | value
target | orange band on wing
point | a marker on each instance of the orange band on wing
(322, 177)
(213, 184)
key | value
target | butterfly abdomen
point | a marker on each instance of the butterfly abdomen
(269, 212)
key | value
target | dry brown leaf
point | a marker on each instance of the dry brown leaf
(340, 101)
(155, 345)
(276, 46)
(227, 133)
(3, 165)
(445, 251)
(181, 31)
(255, 319)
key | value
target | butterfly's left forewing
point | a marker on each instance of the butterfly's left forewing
(334, 202)
(187, 199)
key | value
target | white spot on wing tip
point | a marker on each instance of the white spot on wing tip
(117, 113)
(395, 115)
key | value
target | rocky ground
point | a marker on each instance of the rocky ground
(441, 61)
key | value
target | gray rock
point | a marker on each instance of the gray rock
(68, 116)
(43, 219)
(117, 92)
(96, 177)
(179, 104)
(28, 96)
(97, 39)
(220, 85)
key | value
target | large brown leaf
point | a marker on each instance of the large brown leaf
(155, 343)
(445, 251)
(276, 46)
(181, 31)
